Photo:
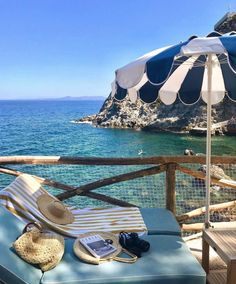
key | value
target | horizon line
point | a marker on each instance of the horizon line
(56, 98)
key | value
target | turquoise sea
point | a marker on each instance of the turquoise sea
(45, 128)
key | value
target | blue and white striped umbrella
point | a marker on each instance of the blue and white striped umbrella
(201, 67)
(170, 72)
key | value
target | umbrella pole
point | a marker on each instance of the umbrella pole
(208, 144)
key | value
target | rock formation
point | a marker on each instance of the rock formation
(159, 117)
(227, 23)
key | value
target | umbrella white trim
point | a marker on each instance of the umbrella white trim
(149, 103)
(186, 104)
(228, 62)
(230, 98)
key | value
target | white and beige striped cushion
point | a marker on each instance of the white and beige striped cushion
(20, 199)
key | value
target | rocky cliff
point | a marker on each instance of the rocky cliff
(159, 117)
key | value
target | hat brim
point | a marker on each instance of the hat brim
(43, 201)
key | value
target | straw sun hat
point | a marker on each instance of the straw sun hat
(54, 210)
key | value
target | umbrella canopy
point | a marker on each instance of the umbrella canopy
(170, 72)
(197, 68)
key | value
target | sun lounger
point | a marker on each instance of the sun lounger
(169, 261)
(12, 268)
(21, 195)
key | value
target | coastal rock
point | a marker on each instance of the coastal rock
(215, 171)
(123, 114)
(231, 126)
(159, 117)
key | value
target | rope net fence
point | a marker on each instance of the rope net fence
(148, 191)
(190, 194)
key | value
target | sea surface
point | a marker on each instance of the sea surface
(46, 128)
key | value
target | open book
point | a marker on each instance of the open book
(97, 246)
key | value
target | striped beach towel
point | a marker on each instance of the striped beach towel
(20, 199)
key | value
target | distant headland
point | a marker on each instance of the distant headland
(67, 98)
(83, 98)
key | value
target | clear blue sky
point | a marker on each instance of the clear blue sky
(55, 48)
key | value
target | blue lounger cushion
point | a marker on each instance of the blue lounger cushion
(168, 261)
(160, 221)
(12, 268)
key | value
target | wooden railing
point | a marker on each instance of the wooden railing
(168, 164)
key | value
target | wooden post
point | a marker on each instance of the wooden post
(170, 187)
(205, 255)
